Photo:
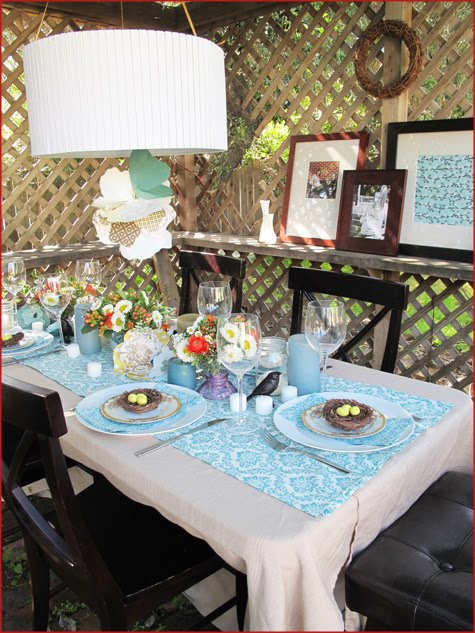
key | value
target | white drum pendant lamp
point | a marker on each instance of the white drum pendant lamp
(108, 92)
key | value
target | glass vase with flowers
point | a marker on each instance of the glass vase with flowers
(197, 345)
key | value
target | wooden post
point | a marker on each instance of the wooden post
(392, 110)
(394, 66)
(166, 278)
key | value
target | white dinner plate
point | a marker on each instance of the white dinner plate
(30, 343)
(302, 435)
(184, 417)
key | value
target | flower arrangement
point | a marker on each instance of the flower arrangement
(197, 345)
(122, 311)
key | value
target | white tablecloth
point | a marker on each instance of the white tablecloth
(292, 560)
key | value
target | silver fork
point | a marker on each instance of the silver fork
(277, 445)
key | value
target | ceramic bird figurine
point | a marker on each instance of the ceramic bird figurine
(267, 386)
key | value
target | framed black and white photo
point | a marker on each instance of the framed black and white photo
(370, 211)
(313, 186)
(438, 209)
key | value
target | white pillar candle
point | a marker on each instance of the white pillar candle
(94, 370)
(37, 326)
(289, 393)
(264, 405)
(73, 351)
(234, 402)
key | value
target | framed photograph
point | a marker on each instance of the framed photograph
(371, 210)
(437, 216)
(313, 186)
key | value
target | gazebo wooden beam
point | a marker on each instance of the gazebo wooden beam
(205, 15)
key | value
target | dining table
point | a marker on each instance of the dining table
(290, 523)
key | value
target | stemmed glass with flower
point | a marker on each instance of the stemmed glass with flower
(54, 292)
(239, 346)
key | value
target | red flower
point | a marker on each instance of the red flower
(197, 345)
(108, 320)
(89, 289)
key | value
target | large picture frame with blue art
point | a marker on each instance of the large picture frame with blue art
(437, 217)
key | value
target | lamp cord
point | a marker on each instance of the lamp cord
(42, 20)
(122, 15)
(188, 16)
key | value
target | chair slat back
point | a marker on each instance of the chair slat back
(37, 415)
(391, 295)
(192, 262)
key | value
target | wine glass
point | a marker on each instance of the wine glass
(239, 343)
(215, 298)
(14, 278)
(325, 329)
(88, 271)
(54, 292)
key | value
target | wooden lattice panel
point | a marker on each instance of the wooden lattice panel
(299, 65)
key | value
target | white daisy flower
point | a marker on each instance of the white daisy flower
(50, 299)
(124, 306)
(180, 350)
(118, 321)
(249, 346)
(157, 318)
(232, 354)
(107, 308)
(230, 332)
(190, 329)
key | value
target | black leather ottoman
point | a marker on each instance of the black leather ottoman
(417, 575)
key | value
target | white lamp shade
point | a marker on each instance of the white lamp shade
(108, 92)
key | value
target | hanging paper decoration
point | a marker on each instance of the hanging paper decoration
(134, 209)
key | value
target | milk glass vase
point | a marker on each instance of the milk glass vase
(267, 234)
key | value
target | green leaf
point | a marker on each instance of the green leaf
(148, 175)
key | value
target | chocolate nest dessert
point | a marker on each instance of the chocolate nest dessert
(153, 396)
(348, 422)
(9, 340)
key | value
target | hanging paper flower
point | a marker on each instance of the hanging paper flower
(134, 208)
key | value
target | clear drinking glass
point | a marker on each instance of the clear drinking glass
(215, 298)
(54, 292)
(325, 329)
(88, 271)
(239, 345)
(13, 277)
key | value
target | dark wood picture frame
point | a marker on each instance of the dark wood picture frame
(405, 143)
(377, 214)
(312, 219)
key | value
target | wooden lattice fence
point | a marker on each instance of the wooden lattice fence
(295, 66)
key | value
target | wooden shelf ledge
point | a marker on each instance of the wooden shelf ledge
(248, 244)
(401, 263)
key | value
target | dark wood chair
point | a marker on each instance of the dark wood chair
(391, 295)
(122, 558)
(193, 262)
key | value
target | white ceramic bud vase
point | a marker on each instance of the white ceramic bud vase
(267, 234)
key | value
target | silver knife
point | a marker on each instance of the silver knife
(163, 443)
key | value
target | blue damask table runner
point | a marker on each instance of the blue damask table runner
(293, 478)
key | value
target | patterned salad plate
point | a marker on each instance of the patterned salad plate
(29, 343)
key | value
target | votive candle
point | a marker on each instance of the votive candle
(37, 326)
(73, 351)
(94, 369)
(264, 405)
(234, 402)
(289, 393)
